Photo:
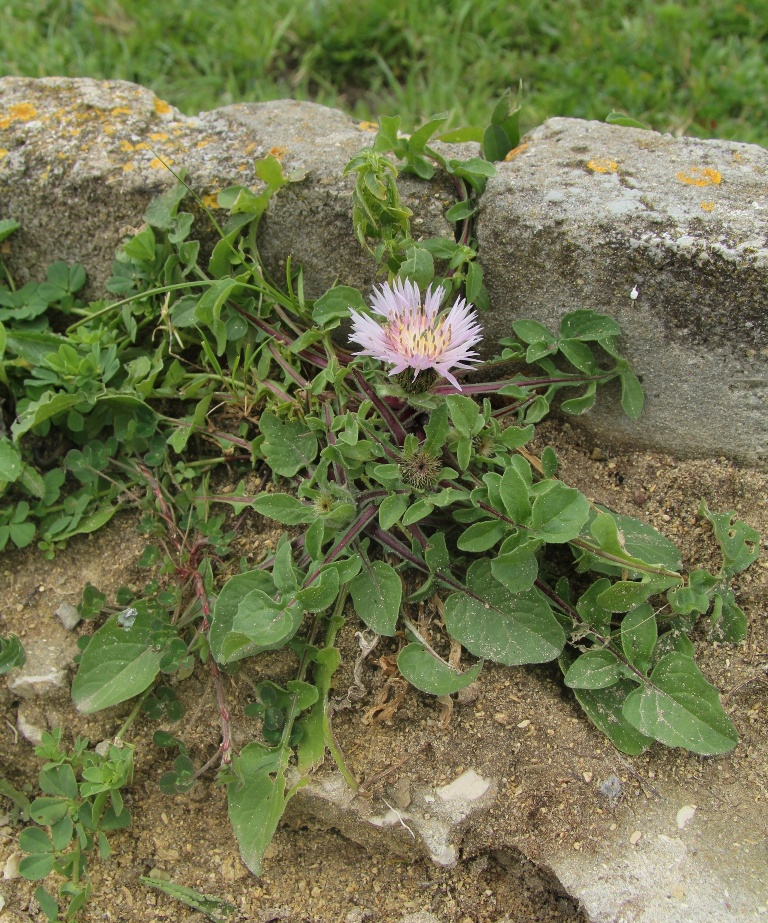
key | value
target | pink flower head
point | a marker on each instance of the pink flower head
(415, 334)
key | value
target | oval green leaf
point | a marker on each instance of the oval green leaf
(424, 671)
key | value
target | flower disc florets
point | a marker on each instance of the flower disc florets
(415, 334)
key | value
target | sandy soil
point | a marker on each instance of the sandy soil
(519, 726)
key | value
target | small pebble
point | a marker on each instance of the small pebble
(635, 838)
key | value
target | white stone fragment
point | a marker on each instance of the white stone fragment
(684, 815)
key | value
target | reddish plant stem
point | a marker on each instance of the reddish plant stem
(226, 732)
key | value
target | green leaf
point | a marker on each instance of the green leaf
(681, 709)
(739, 543)
(36, 841)
(391, 509)
(424, 671)
(626, 594)
(118, 664)
(257, 800)
(481, 536)
(639, 633)
(626, 121)
(514, 490)
(37, 866)
(59, 781)
(61, 833)
(284, 508)
(460, 211)
(321, 593)
(288, 447)
(214, 908)
(17, 798)
(226, 607)
(335, 304)
(260, 624)
(141, 246)
(436, 430)
(632, 397)
(727, 622)
(47, 904)
(43, 409)
(377, 594)
(10, 461)
(501, 626)
(630, 536)
(558, 512)
(465, 414)
(419, 266)
(7, 227)
(11, 655)
(603, 708)
(516, 570)
(596, 669)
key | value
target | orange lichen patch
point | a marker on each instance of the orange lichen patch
(126, 146)
(516, 150)
(158, 136)
(251, 146)
(158, 164)
(737, 157)
(242, 167)
(21, 112)
(707, 206)
(602, 166)
(127, 167)
(121, 110)
(368, 126)
(211, 200)
(278, 152)
(161, 107)
(700, 176)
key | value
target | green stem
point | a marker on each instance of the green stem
(128, 723)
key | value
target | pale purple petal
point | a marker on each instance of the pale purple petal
(414, 333)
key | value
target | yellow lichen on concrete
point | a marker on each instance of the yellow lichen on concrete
(161, 107)
(126, 146)
(158, 136)
(3, 152)
(158, 164)
(278, 152)
(368, 126)
(700, 176)
(707, 206)
(602, 165)
(127, 167)
(516, 151)
(211, 200)
(121, 110)
(21, 112)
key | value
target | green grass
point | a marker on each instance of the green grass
(698, 68)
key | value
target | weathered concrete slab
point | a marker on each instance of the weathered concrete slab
(586, 214)
(80, 159)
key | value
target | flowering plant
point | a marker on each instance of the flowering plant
(405, 478)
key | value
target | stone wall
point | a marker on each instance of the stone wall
(668, 235)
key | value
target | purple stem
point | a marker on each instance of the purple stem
(287, 367)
